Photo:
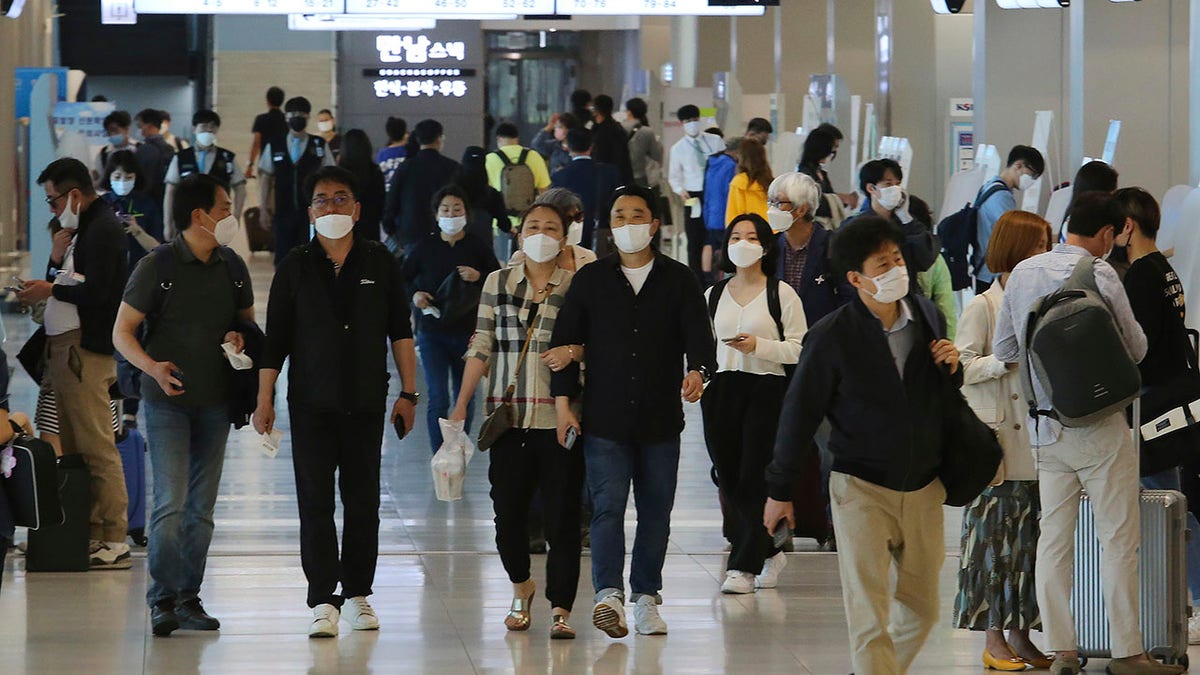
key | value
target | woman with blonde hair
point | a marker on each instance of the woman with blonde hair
(996, 589)
(748, 189)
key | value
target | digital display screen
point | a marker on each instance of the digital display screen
(450, 7)
(238, 6)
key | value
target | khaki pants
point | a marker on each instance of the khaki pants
(81, 380)
(1100, 459)
(875, 527)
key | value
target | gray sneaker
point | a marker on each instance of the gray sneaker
(609, 616)
(646, 619)
(109, 555)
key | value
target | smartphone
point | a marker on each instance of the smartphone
(781, 534)
(398, 423)
(179, 376)
(572, 436)
(732, 340)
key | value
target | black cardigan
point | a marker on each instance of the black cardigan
(886, 431)
(100, 258)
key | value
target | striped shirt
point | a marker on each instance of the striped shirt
(508, 304)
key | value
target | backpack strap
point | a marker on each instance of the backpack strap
(997, 186)
(239, 274)
(1084, 275)
(714, 296)
(164, 268)
(503, 157)
(775, 306)
(524, 154)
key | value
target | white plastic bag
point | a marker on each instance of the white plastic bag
(449, 463)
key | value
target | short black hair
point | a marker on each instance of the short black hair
(1028, 154)
(1093, 211)
(603, 104)
(818, 145)
(638, 108)
(1136, 203)
(126, 161)
(396, 127)
(827, 128)
(151, 117)
(166, 115)
(580, 98)
(563, 217)
(766, 238)
(873, 171)
(579, 140)
(759, 125)
(67, 174)
(206, 117)
(451, 190)
(640, 192)
(331, 174)
(1095, 176)
(117, 118)
(507, 130)
(428, 131)
(688, 112)
(861, 238)
(715, 131)
(298, 104)
(197, 191)
(274, 97)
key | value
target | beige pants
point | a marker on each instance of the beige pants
(1100, 459)
(877, 527)
(81, 380)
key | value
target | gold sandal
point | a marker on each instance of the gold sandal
(518, 617)
(560, 629)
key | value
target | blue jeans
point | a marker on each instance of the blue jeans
(653, 469)
(187, 453)
(1170, 480)
(442, 361)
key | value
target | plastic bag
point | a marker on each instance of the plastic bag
(449, 463)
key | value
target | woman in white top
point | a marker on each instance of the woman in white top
(1000, 528)
(759, 324)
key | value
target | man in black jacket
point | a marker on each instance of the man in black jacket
(408, 214)
(610, 144)
(154, 154)
(83, 284)
(876, 368)
(593, 181)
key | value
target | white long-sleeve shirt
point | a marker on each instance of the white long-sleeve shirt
(770, 353)
(688, 158)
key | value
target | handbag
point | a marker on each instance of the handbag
(503, 418)
(1170, 430)
(32, 486)
(971, 453)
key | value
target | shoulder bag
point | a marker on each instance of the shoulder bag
(503, 418)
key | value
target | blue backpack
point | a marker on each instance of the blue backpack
(959, 232)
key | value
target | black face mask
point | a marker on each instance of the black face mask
(297, 123)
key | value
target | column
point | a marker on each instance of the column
(685, 41)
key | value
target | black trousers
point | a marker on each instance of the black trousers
(741, 413)
(697, 236)
(524, 461)
(348, 444)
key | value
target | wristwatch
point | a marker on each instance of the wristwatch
(412, 396)
(704, 374)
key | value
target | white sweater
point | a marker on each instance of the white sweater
(771, 353)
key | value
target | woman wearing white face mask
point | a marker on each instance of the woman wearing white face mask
(138, 210)
(445, 273)
(516, 319)
(759, 323)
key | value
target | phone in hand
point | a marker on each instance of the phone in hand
(179, 376)
(781, 534)
(401, 430)
(572, 436)
(736, 338)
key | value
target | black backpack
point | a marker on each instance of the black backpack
(959, 233)
(773, 306)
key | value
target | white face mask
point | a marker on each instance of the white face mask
(122, 187)
(691, 128)
(452, 225)
(890, 197)
(744, 253)
(633, 238)
(206, 139)
(541, 248)
(324, 126)
(1026, 181)
(891, 285)
(69, 219)
(779, 220)
(224, 230)
(334, 225)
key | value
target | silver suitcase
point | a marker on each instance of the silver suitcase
(1162, 566)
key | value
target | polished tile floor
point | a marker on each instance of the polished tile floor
(440, 591)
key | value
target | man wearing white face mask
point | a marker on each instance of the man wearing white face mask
(641, 319)
(995, 198)
(186, 388)
(688, 158)
(338, 305)
(208, 158)
(876, 368)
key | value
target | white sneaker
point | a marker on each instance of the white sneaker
(360, 614)
(646, 618)
(1194, 628)
(609, 616)
(325, 621)
(109, 555)
(769, 577)
(738, 583)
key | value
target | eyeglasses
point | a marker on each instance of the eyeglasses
(50, 200)
(779, 204)
(337, 201)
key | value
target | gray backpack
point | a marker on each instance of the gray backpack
(1073, 344)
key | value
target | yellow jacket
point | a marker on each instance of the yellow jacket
(745, 197)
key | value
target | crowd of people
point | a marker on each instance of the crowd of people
(818, 330)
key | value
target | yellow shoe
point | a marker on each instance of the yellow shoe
(992, 663)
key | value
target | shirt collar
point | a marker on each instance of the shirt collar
(905, 318)
(517, 276)
(1072, 249)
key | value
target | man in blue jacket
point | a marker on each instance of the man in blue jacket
(718, 173)
(877, 368)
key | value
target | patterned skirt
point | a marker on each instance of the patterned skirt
(999, 548)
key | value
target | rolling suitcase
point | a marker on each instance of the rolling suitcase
(32, 488)
(64, 547)
(1162, 567)
(132, 447)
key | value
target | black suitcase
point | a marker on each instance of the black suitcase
(64, 547)
(32, 488)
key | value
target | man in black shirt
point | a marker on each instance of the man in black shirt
(642, 321)
(268, 125)
(336, 304)
(154, 154)
(407, 216)
(610, 140)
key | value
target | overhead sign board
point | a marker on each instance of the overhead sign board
(449, 7)
(239, 6)
(652, 7)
